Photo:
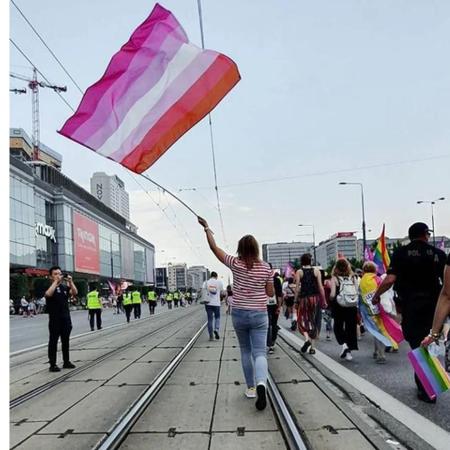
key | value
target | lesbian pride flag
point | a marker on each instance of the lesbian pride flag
(154, 90)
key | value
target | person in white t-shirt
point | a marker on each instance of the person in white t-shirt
(211, 296)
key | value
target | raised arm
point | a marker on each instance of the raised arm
(220, 254)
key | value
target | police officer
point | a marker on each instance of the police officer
(127, 304)
(59, 324)
(176, 298)
(136, 300)
(94, 306)
(169, 300)
(416, 272)
(151, 301)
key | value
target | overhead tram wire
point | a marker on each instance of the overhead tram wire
(326, 172)
(39, 72)
(45, 44)
(211, 135)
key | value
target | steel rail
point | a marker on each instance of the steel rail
(288, 426)
(124, 424)
(46, 386)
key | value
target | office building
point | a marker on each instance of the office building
(196, 276)
(280, 253)
(177, 277)
(110, 190)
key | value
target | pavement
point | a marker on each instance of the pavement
(395, 377)
(202, 405)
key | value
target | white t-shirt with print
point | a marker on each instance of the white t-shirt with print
(212, 289)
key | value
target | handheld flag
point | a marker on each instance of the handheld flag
(157, 87)
(430, 372)
(381, 256)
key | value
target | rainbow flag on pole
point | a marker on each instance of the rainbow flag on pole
(157, 87)
(430, 372)
(381, 256)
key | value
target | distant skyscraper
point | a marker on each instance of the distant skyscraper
(110, 190)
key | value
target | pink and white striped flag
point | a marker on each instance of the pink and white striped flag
(157, 87)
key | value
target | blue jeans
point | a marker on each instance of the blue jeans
(251, 330)
(210, 312)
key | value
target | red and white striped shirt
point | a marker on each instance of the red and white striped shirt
(249, 286)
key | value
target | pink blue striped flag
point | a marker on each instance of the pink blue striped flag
(429, 371)
(157, 87)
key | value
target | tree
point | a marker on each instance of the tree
(18, 286)
(40, 285)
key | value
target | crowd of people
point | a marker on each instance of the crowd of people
(412, 298)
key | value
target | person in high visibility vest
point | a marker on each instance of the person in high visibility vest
(176, 298)
(151, 301)
(94, 306)
(136, 300)
(127, 304)
(169, 300)
(189, 298)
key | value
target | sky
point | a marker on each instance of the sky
(354, 90)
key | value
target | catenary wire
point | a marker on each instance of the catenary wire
(325, 172)
(46, 45)
(211, 135)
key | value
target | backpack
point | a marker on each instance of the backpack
(347, 295)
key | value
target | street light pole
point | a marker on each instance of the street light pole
(432, 203)
(363, 211)
(314, 239)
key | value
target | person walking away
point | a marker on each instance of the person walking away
(94, 306)
(326, 312)
(441, 315)
(32, 308)
(152, 301)
(229, 299)
(25, 307)
(212, 289)
(128, 305)
(278, 286)
(273, 312)
(136, 300)
(59, 323)
(310, 297)
(252, 284)
(344, 301)
(169, 299)
(176, 298)
(367, 287)
(289, 298)
(416, 271)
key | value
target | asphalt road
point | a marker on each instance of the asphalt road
(395, 377)
(28, 332)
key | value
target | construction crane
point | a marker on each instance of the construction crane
(34, 86)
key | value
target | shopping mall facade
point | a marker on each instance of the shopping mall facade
(54, 221)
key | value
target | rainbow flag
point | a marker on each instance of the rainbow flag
(157, 87)
(430, 372)
(379, 324)
(381, 256)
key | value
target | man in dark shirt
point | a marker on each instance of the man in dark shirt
(416, 272)
(59, 324)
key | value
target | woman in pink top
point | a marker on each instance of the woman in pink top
(252, 284)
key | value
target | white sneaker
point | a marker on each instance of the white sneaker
(250, 392)
(348, 356)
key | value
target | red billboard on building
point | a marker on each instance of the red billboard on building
(86, 245)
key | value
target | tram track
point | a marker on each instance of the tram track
(33, 393)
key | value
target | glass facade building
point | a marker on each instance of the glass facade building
(53, 221)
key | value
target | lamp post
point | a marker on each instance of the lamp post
(432, 203)
(363, 211)
(314, 239)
